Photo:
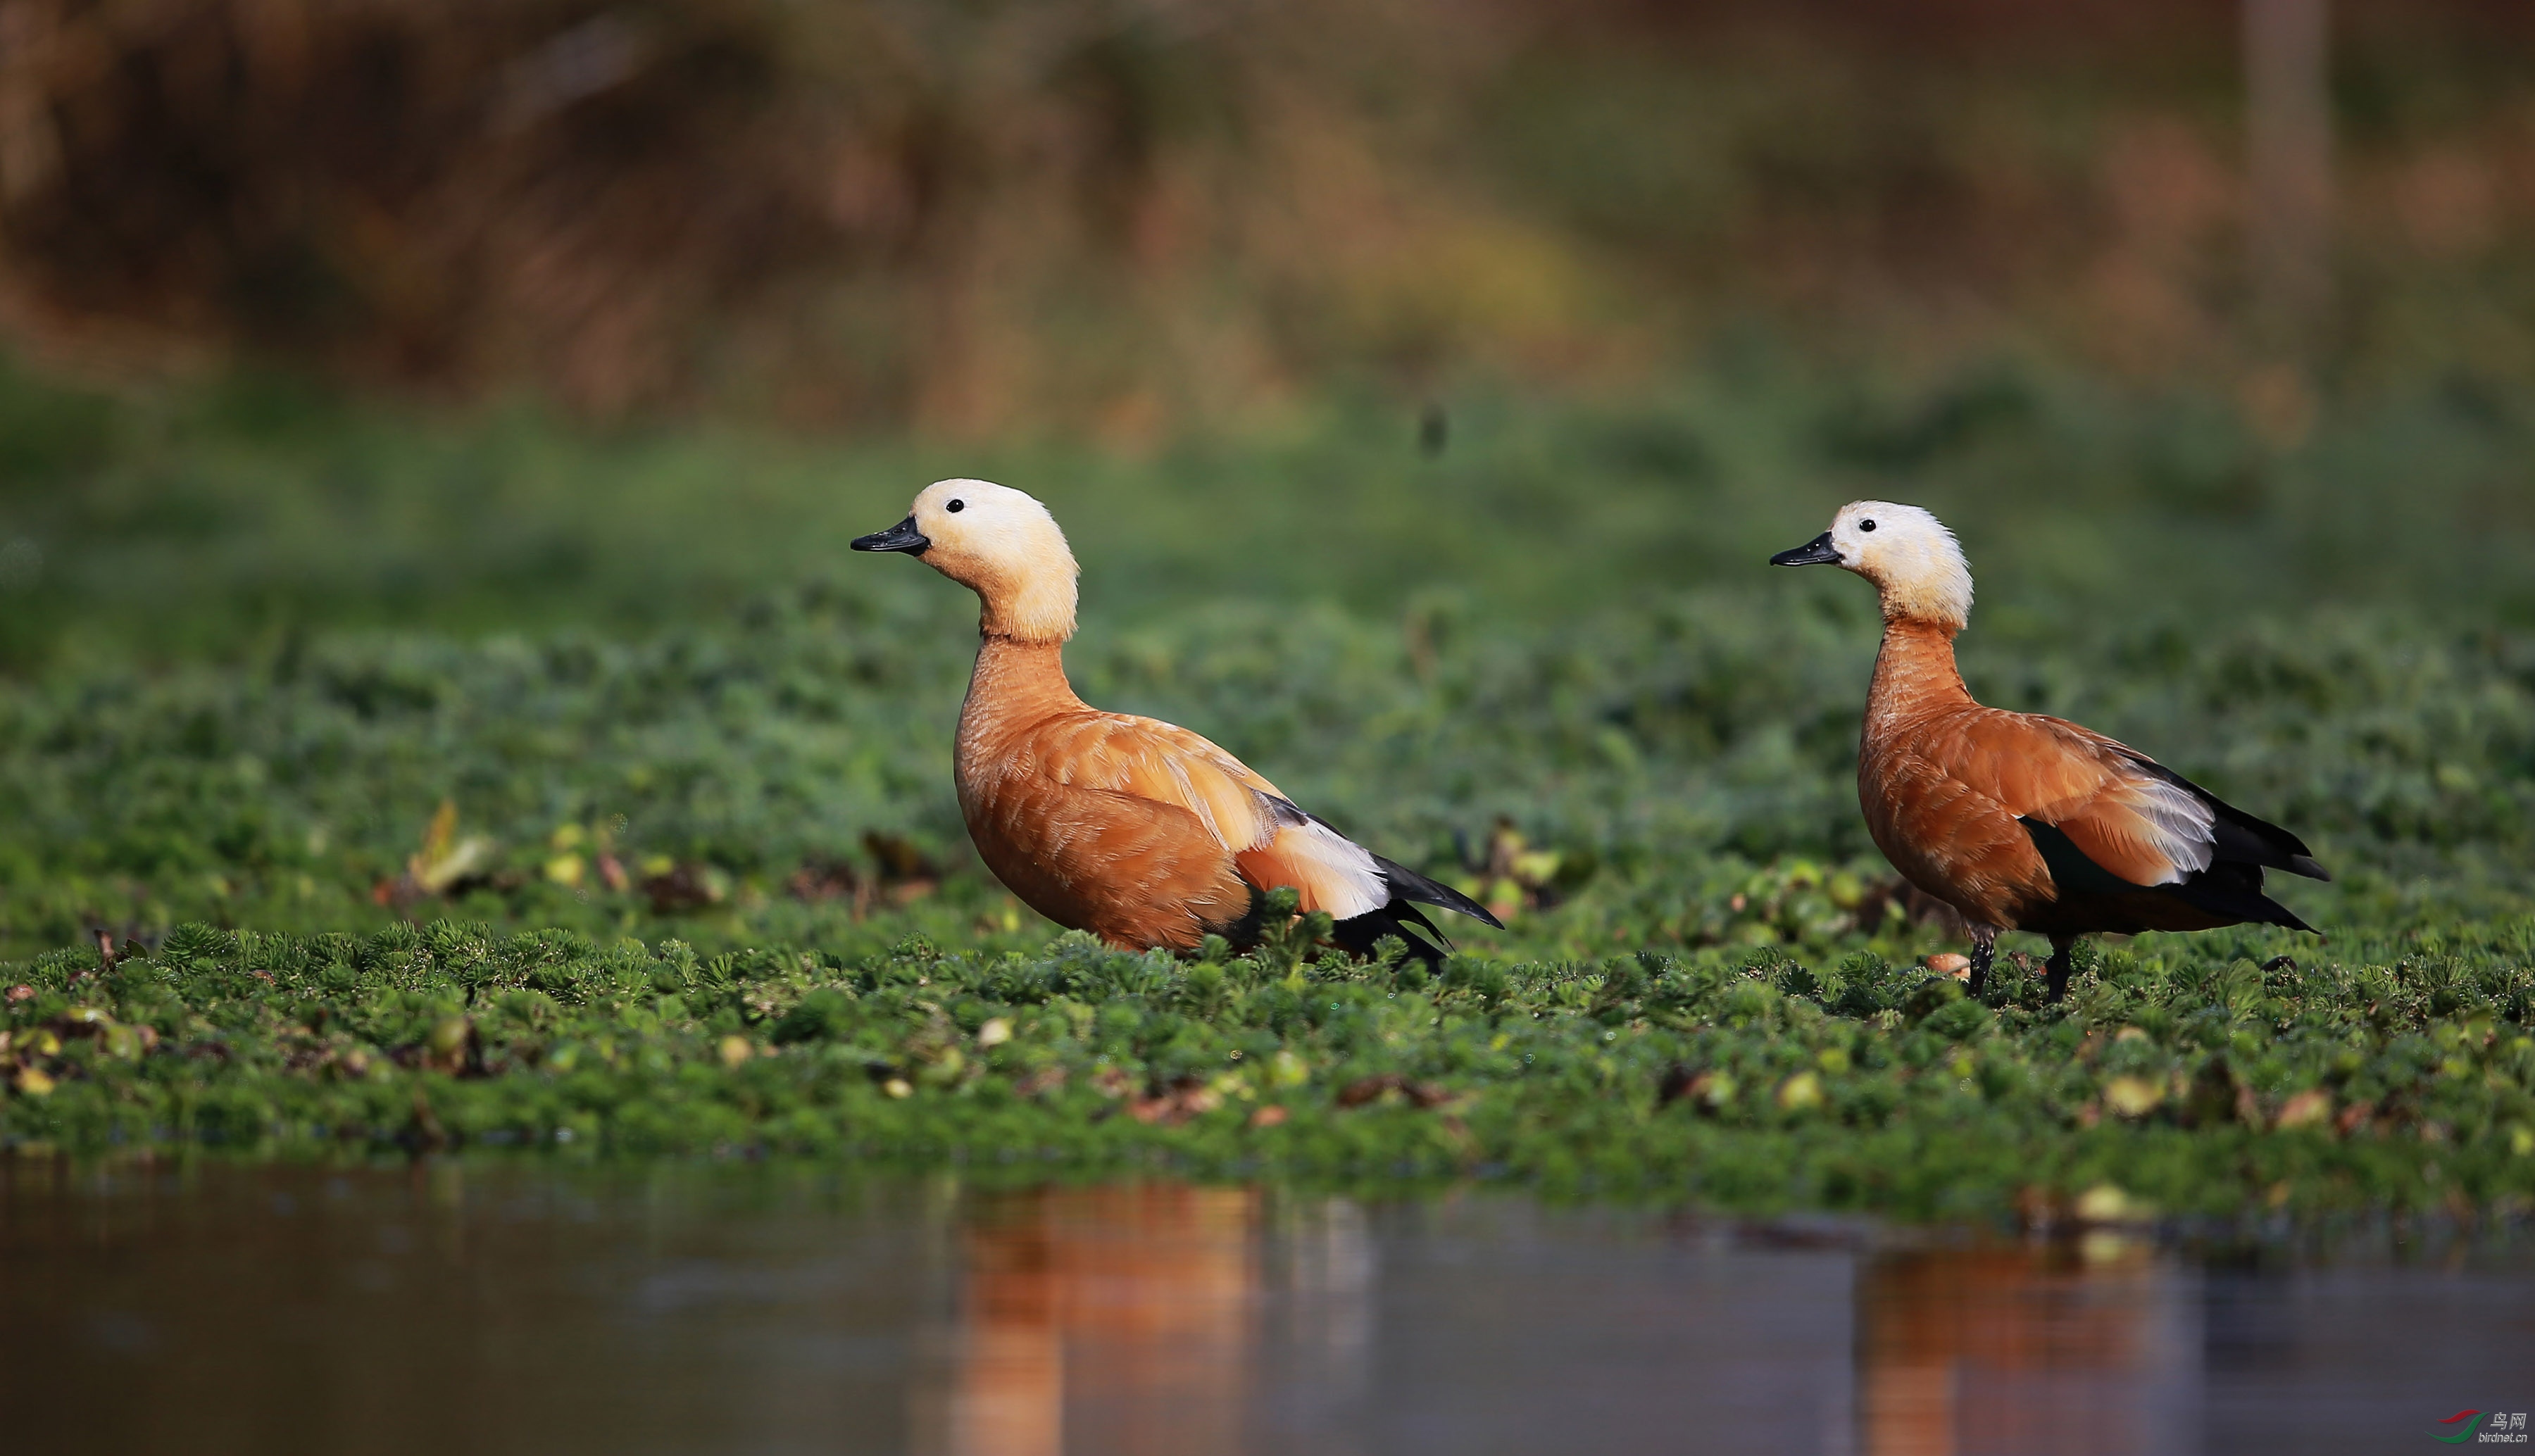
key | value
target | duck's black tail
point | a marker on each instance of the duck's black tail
(2232, 884)
(2233, 888)
(1410, 889)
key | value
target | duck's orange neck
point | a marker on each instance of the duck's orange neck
(1016, 685)
(1914, 673)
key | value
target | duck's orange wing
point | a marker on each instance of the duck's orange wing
(2137, 824)
(1271, 843)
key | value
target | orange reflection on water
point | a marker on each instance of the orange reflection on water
(2056, 1348)
(1118, 1317)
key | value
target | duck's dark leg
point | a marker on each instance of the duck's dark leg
(1983, 950)
(2057, 965)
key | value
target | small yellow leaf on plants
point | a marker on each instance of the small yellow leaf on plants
(2106, 1203)
(1288, 1070)
(2306, 1109)
(898, 1087)
(1800, 1092)
(564, 869)
(2521, 1140)
(443, 829)
(446, 1050)
(33, 1081)
(995, 1032)
(2132, 1097)
(445, 859)
(737, 1050)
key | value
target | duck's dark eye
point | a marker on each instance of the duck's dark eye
(956, 507)
(1863, 526)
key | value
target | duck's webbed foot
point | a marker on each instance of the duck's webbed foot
(1983, 950)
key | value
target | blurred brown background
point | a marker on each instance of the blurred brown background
(1124, 217)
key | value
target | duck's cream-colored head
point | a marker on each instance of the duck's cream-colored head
(999, 543)
(1907, 553)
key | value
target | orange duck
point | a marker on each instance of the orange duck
(2018, 820)
(1140, 832)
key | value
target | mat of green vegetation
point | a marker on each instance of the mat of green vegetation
(700, 884)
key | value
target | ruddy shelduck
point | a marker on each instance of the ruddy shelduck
(2017, 821)
(1142, 833)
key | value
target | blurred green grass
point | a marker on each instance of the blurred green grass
(207, 522)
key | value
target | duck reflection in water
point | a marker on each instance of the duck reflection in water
(1111, 1320)
(1163, 1320)
(2069, 1347)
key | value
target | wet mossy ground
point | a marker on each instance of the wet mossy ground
(1744, 1080)
(327, 819)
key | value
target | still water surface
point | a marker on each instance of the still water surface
(500, 1307)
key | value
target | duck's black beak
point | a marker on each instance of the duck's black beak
(902, 536)
(1817, 552)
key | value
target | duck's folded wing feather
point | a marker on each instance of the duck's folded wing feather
(1121, 755)
(2139, 827)
(1273, 842)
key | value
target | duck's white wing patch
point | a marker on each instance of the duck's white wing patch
(1332, 872)
(2142, 829)
(2179, 824)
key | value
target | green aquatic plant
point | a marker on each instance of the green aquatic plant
(1706, 1075)
(315, 831)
